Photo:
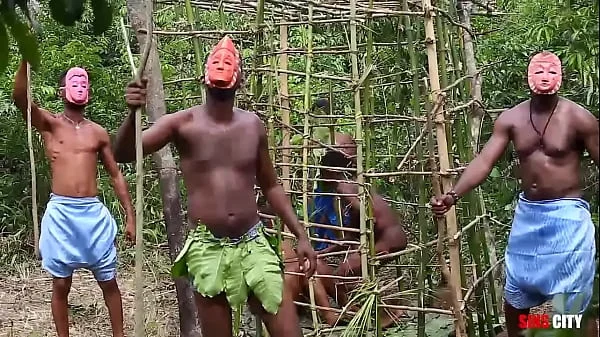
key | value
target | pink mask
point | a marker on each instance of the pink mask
(76, 86)
(544, 74)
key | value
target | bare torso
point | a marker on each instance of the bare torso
(219, 164)
(73, 155)
(552, 170)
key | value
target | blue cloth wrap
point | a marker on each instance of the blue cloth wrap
(324, 205)
(78, 233)
(551, 250)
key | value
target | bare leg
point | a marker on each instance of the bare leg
(512, 319)
(60, 308)
(214, 315)
(350, 267)
(328, 283)
(112, 298)
(285, 323)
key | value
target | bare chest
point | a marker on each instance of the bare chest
(205, 148)
(555, 138)
(68, 140)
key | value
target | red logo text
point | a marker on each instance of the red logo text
(534, 321)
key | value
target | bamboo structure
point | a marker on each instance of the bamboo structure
(393, 81)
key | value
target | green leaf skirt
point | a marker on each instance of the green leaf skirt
(248, 265)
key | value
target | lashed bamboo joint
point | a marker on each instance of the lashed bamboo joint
(393, 78)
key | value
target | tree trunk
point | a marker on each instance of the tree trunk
(165, 164)
(477, 111)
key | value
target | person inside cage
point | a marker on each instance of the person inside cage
(324, 208)
(389, 234)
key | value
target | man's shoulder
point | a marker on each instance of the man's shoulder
(247, 115)
(517, 109)
(99, 129)
(249, 118)
(179, 117)
(583, 119)
(509, 116)
(575, 108)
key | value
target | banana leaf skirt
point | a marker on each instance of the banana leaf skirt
(239, 267)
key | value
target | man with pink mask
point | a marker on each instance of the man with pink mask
(77, 231)
(551, 246)
(228, 257)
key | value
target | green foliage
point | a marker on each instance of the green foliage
(26, 42)
(66, 12)
(567, 28)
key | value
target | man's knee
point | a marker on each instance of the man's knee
(61, 286)
(109, 286)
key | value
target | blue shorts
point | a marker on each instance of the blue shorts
(78, 233)
(551, 250)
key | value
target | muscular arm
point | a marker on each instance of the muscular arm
(273, 191)
(589, 125)
(153, 139)
(118, 181)
(478, 170)
(40, 118)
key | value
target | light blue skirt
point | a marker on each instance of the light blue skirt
(551, 250)
(78, 233)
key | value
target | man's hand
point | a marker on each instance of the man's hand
(440, 205)
(307, 258)
(135, 94)
(130, 229)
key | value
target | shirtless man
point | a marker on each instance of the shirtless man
(228, 257)
(78, 231)
(389, 234)
(554, 254)
(297, 285)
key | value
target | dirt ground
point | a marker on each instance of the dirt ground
(25, 305)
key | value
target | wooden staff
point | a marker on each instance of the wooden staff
(34, 209)
(139, 170)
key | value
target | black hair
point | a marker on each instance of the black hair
(333, 158)
(321, 103)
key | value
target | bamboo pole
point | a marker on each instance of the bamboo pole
(360, 178)
(284, 102)
(257, 86)
(34, 207)
(455, 277)
(305, 169)
(140, 330)
(416, 110)
(369, 103)
(195, 40)
(441, 52)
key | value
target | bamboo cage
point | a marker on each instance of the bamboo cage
(396, 78)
